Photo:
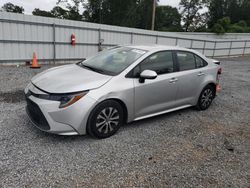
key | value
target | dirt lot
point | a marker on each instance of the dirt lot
(186, 148)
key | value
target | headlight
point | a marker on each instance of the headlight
(64, 99)
(67, 100)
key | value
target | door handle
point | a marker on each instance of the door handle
(173, 80)
(201, 74)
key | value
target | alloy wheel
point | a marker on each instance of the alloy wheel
(206, 98)
(107, 120)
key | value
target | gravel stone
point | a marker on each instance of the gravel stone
(186, 148)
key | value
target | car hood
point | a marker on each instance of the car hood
(69, 79)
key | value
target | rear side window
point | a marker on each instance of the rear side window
(200, 62)
(186, 61)
(160, 62)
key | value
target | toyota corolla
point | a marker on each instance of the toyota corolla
(120, 85)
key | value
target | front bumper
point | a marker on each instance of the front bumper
(47, 116)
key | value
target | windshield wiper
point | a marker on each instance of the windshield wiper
(92, 68)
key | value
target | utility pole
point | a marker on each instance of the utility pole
(100, 11)
(153, 15)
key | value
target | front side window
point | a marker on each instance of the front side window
(113, 61)
(186, 61)
(160, 62)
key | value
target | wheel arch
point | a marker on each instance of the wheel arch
(124, 107)
(205, 85)
(210, 84)
(213, 86)
(119, 101)
(122, 103)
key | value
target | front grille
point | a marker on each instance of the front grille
(36, 115)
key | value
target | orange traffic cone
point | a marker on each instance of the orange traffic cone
(34, 64)
(218, 88)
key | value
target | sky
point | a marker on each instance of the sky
(30, 5)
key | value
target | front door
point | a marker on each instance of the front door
(156, 95)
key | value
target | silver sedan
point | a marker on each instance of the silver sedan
(120, 85)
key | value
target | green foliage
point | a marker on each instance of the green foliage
(235, 28)
(144, 10)
(71, 12)
(247, 29)
(218, 29)
(242, 23)
(114, 12)
(236, 10)
(167, 19)
(131, 13)
(59, 12)
(191, 15)
(9, 7)
(225, 22)
(38, 12)
(224, 25)
(222, 16)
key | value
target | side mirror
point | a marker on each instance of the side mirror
(79, 62)
(147, 74)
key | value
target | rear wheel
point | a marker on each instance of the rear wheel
(105, 119)
(206, 97)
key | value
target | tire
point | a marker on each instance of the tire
(105, 119)
(206, 98)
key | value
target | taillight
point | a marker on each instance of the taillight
(219, 71)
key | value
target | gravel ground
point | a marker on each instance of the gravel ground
(186, 148)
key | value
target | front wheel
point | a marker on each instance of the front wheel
(206, 97)
(105, 119)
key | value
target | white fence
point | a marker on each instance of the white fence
(21, 35)
(241, 36)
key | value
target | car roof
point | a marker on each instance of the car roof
(157, 47)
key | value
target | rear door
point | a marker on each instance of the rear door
(190, 77)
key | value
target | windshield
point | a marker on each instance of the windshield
(113, 61)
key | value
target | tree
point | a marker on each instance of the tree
(9, 7)
(38, 12)
(244, 11)
(190, 11)
(71, 12)
(225, 22)
(59, 12)
(72, 7)
(92, 11)
(130, 13)
(235, 28)
(167, 19)
(242, 23)
(224, 25)
(236, 10)
(216, 10)
(218, 29)
(119, 12)
(145, 8)
(113, 12)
